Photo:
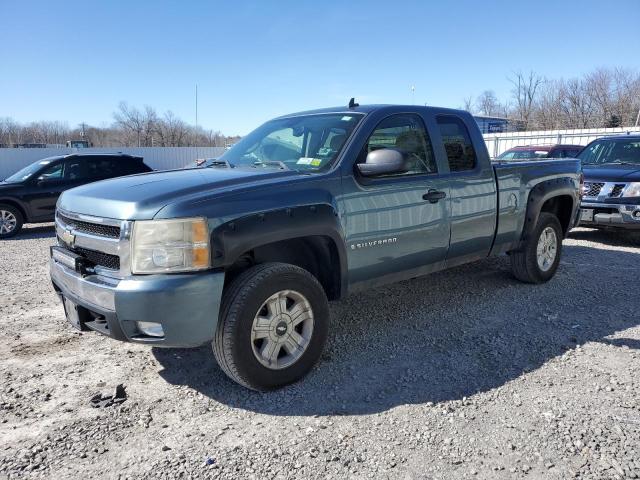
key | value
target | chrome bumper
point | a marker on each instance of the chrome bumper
(621, 215)
(185, 305)
(95, 290)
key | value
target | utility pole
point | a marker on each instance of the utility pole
(195, 136)
(413, 94)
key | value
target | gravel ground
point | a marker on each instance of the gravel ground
(463, 374)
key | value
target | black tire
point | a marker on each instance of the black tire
(241, 301)
(19, 220)
(524, 263)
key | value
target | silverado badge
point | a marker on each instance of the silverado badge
(373, 243)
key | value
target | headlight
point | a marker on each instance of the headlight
(165, 246)
(632, 190)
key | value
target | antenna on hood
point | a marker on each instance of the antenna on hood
(353, 104)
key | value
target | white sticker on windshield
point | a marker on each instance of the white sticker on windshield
(540, 152)
(346, 118)
(314, 162)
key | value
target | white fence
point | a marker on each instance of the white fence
(499, 142)
(159, 158)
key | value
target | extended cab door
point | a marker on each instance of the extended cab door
(396, 226)
(472, 188)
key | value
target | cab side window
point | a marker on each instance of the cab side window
(457, 143)
(102, 168)
(406, 133)
(54, 172)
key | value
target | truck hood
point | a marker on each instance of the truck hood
(612, 173)
(140, 197)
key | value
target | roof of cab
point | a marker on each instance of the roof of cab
(366, 109)
(97, 154)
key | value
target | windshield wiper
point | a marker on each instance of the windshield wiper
(271, 163)
(220, 163)
(618, 162)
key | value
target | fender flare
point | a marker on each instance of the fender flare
(542, 192)
(232, 239)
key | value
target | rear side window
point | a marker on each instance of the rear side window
(127, 166)
(109, 167)
(407, 133)
(457, 143)
(75, 170)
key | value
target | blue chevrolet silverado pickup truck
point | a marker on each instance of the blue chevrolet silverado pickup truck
(245, 254)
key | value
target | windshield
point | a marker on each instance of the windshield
(522, 154)
(623, 151)
(28, 171)
(308, 143)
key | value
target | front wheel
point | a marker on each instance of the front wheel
(10, 221)
(539, 257)
(273, 326)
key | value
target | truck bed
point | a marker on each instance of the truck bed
(514, 182)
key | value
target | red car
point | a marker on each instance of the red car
(540, 151)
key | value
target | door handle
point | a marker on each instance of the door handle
(433, 196)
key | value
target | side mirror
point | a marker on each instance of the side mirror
(383, 162)
(41, 180)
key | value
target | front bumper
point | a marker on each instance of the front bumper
(185, 305)
(612, 215)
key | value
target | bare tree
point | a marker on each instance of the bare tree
(131, 127)
(467, 104)
(487, 103)
(547, 113)
(131, 121)
(576, 104)
(172, 131)
(525, 89)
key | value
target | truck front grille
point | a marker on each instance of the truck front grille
(109, 231)
(96, 239)
(592, 189)
(100, 259)
(617, 189)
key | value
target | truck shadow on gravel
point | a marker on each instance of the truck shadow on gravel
(606, 237)
(441, 337)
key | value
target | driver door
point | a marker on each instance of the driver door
(396, 227)
(51, 183)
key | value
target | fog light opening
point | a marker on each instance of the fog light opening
(152, 329)
(636, 214)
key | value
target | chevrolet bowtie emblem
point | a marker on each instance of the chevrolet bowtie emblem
(68, 237)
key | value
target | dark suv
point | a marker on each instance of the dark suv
(30, 195)
(611, 195)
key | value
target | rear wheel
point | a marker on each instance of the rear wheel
(10, 221)
(539, 257)
(273, 326)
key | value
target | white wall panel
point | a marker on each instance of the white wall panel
(159, 158)
(500, 142)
